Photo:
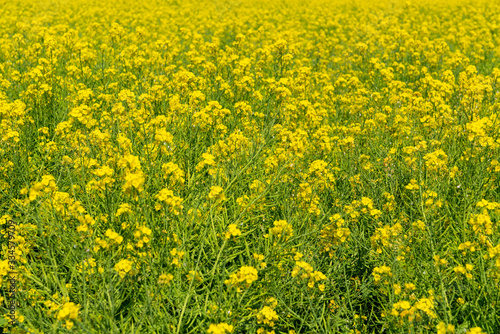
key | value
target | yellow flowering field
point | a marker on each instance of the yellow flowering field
(255, 166)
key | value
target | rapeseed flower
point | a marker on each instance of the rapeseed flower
(124, 267)
(243, 278)
(221, 328)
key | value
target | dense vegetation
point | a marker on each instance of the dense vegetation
(250, 166)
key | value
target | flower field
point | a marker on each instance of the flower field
(250, 166)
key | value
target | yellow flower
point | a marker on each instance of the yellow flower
(167, 196)
(68, 311)
(404, 305)
(442, 328)
(282, 228)
(301, 264)
(208, 159)
(464, 270)
(216, 192)
(165, 279)
(221, 328)
(69, 324)
(419, 224)
(245, 276)
(267, 316)
(379, 272)
(194, 275)
(123, 267)
(233, 230)
(123, 208)
(114, 236)
(162, 136)
(413, 185)
(133, 181)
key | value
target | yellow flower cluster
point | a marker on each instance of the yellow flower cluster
(334, 234)
(221, 328)
(404, 309)
(68, 312)
(282, 230)
(124, 267)
(309, 274)
(208, 160)
(442, 328)
(216, 193)
(165, 279)
(167, 196)
(243, 278)
(232, 230)
(114, 237)
(177, 256)
(173, 172)
(464, 270)
(46, 185)
(267, 316)
(381, 274)
(142, 235)
(383, 235)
